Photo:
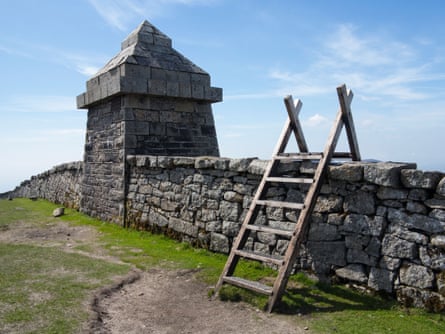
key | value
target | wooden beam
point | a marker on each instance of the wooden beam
(345, 98)
(293, 109)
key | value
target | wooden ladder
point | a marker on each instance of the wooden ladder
(285, 263)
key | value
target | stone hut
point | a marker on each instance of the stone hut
(149, 99)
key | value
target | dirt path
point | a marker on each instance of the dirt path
(173, 302)
(157, 301)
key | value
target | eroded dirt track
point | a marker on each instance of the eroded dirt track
(167, 302)
(156, 301)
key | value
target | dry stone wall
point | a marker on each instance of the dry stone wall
(379, 225)
(60, 185)
(102, 184)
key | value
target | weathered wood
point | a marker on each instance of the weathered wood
(345, 98)
(261, 228)
(278, 204)
(309, 204)
(278, 260)
(241, 239)
(293, 109)
(298, 156)
(250, 285)
(292, 124)
(290, 180)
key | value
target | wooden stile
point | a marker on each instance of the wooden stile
(285, 263)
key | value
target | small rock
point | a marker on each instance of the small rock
(58, 212)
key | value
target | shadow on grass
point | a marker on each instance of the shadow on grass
(326, 298)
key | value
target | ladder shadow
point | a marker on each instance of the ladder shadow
(322, 298)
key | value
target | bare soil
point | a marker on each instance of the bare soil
(155, 301)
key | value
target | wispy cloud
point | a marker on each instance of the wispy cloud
(121, 13)
(87, 65)
(315, 120)
(372, 64)
(14, 51)
(84, 63)
(38, 103)
(346, 45)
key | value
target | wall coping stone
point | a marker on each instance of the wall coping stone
(386, 173)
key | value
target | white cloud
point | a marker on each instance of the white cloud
(345, 45)
(87, 65)
(84, 63)
(374, 65)
(14, 51)
(315, 120)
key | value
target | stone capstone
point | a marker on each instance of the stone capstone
(385, 173)
(147, 64)
(351, 172)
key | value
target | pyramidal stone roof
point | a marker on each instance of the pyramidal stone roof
(147, 64)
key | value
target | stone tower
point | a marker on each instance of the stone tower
(149, 99)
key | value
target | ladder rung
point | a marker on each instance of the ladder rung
(250, 285)
(279, 204)
(290, 179)
(272, 230)
(342, 155)
(260, 257)
(299, 156)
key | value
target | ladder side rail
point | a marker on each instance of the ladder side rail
(345, 97)
(302, 223)
(293, 109)
(232, 260)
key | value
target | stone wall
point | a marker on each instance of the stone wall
(379, 225)
(60, 185)
(103, 179)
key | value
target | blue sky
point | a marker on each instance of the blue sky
(390, 53)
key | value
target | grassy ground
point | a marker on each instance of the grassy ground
(43, 289)
(44, 286)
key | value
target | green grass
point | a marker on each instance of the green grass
(43, 289)
(146, 250)
(325, 309)
(25, 210)
(338, 309)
